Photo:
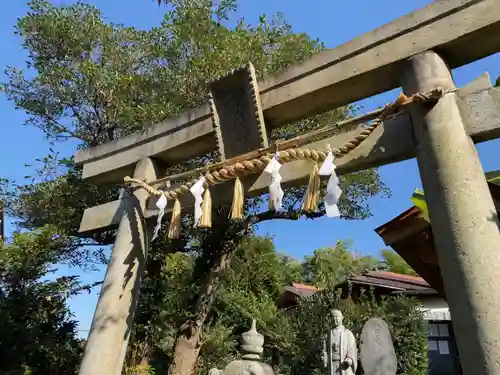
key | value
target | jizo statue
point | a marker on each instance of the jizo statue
(340, 354)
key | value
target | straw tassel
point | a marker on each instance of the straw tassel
(312, 194)
(174, 228)
(237, 206)
(206, 210)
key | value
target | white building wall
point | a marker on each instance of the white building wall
(441, 343)
(435, 308)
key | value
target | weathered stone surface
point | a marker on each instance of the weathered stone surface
(106, 345)
(237, 114)
(252, 347)
(376, 349)
(462, 30)
(459, 201)
(365, 66)
(340, 353)
(173, 140)
(463, 216)
(390, 143)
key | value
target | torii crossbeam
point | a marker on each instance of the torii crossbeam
(415, 52)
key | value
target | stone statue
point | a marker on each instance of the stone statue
(250, 364)
(340, 355)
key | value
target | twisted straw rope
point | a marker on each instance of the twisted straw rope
(252, 166)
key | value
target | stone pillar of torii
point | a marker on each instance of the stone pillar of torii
(415, 52)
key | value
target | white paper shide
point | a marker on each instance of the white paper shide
(197, 190)
(161, 204)
(333, 191)
(275, 191)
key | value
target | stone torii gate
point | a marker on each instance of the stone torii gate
(415, 52)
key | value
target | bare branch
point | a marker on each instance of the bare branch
(287, 215)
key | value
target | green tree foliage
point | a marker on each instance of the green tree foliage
(37, 333)
(252, 288)
(395, 263)
(156, 325)
(313, 315)
(91, 82)
(331, 265)
(96, 82)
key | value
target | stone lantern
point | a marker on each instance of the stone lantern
(252, 343)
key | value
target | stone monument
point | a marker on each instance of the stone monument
(340, 354)
(250, 363)
(377, 351)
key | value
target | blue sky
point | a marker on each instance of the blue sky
(333, 23)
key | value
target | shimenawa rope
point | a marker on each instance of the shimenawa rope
(252, 166)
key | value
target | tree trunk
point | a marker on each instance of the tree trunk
(225, 238)
(188, 342)
(185, 354)
(139, 359)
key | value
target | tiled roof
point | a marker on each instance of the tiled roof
(399, 276)
(397, 282)
(390, 280)
(304, 287)
(301, 292)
